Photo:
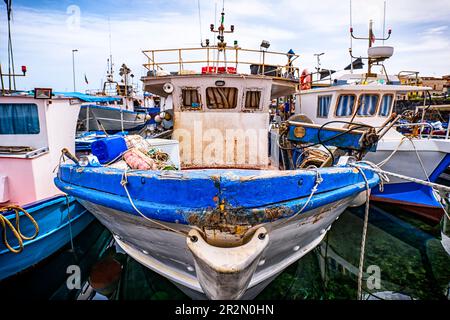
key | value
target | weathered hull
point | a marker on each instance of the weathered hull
(110, 118)
(166, 252)
(222, 233)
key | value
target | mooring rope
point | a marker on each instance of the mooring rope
(364, 235)
(124, 183)
(383, 174)
(16, 230)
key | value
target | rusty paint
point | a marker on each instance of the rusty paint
(276, 213)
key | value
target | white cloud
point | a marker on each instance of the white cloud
(44, 41)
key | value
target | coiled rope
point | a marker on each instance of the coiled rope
(16, 230)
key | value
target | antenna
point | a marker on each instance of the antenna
(317, 55)
(200, 22)
(351, 39)
(110, 71)
(384, 21)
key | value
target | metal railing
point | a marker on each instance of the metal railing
(213, 56)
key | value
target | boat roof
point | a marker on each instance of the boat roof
(367, 87)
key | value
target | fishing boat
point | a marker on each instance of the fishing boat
(116, 112)
(36, 220)
(223, 221)
(35, 217)
(347, 99)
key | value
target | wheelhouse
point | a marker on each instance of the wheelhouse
(32, 134)
(369, 104)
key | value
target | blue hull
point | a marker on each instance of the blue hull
(193, 196)
(53, 220)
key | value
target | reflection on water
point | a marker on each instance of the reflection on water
(407, 252)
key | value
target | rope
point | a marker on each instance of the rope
(124, 183)
(364, 235)
(5, 222)
(70, 222)
(319, 180)
(375, 169)
(382, 163)
(383, 175)
(16, 230)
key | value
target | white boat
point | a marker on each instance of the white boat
(368, 98)
(227, 223)
(116, 112)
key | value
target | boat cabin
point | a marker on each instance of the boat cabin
(33, 131)
(221, 112)
(370, 104)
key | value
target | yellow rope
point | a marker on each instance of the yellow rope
(5, 222)
(16, 230)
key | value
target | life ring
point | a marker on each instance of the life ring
(305, 80)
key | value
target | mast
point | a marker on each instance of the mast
(371, 39)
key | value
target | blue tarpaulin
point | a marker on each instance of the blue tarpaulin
(87, 97)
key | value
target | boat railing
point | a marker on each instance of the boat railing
(223, 60)
(422, 127)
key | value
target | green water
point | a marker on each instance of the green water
(406, 250)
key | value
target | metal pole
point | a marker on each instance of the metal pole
(73, 68)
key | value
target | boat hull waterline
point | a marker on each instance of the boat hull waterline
(229, 261)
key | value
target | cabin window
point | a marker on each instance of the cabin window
(367, 104)
(386, 103)
(252, 99)
(345, 105)
(19, 118)
(221, 98)
(191, 98)
(323, 106)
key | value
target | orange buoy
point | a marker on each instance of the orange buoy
(105, 275)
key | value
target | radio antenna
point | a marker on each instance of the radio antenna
(384, 21)
(200, 22)
(351, 38)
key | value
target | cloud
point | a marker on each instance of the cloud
(44, 36)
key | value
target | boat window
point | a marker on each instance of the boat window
(386, 103)
(252, 99)
(367, 104)
(191, 98)
(323, 106)
(345, 105)
(19, 118)
(221, 98)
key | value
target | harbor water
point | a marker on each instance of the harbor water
(404, 259)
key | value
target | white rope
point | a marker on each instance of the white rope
(374, 168)
(319, 180)
(383, 175)
(382, 163)
(124, 183)
(364, 235)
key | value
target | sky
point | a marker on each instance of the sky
(44, 33)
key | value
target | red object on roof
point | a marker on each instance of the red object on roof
(209, 69)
